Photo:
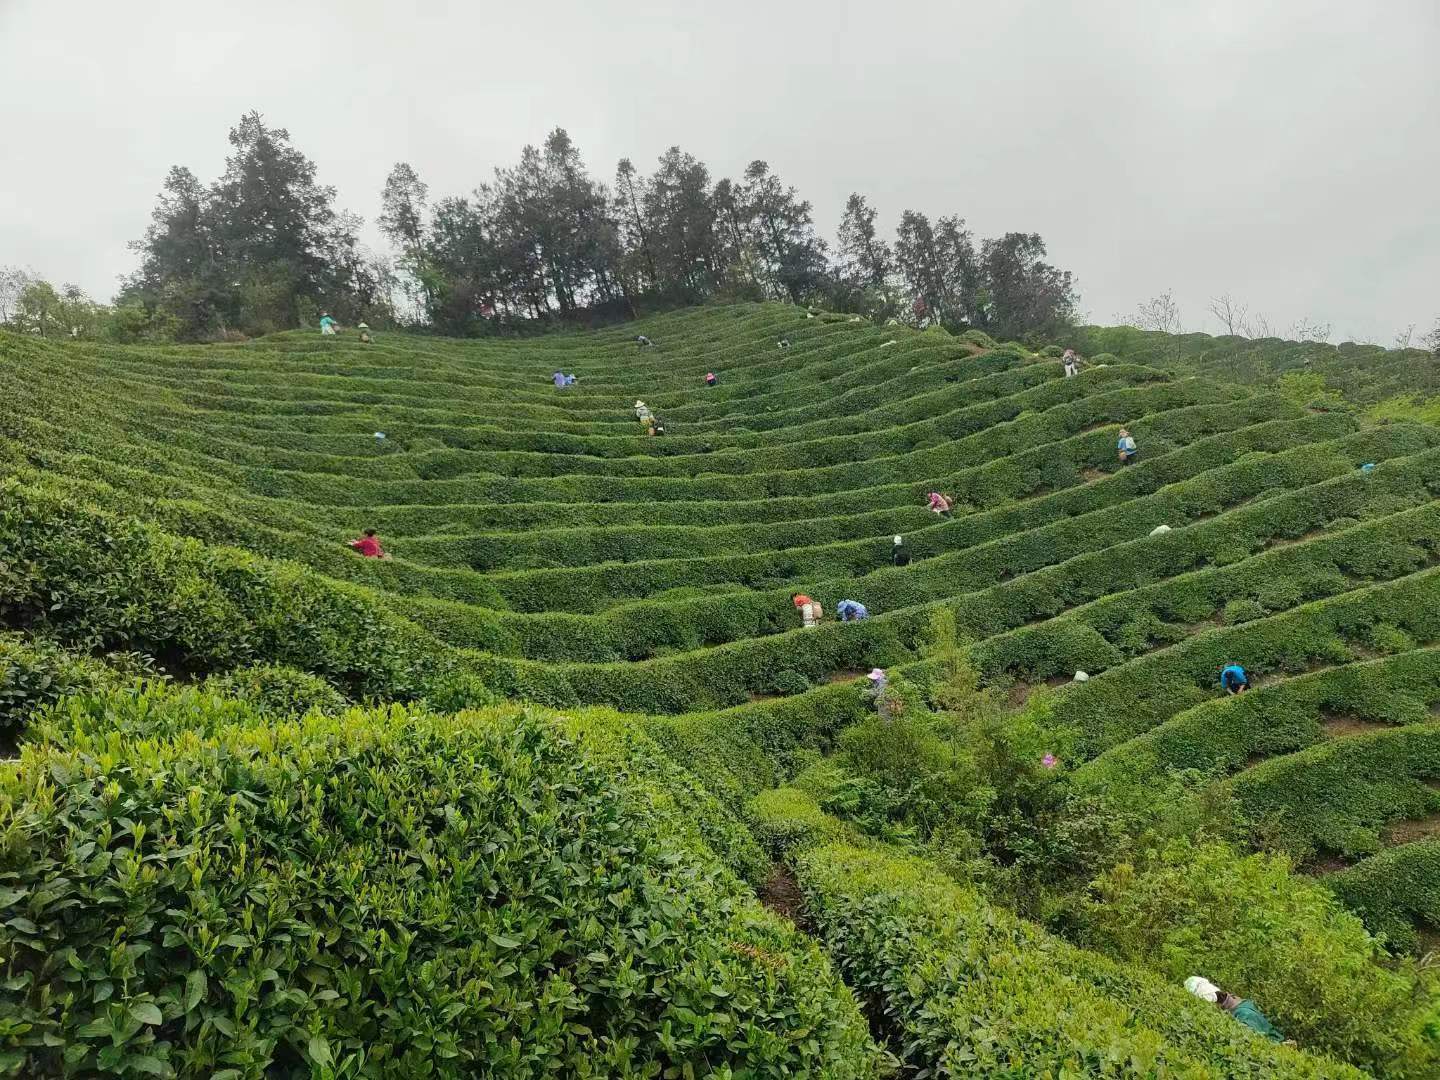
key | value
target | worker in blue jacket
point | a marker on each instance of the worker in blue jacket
(1233, 679)
(851, 611)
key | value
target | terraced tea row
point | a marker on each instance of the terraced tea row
(1364, 373)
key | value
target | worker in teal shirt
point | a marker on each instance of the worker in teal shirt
(1233, 679)
(1242, 1009)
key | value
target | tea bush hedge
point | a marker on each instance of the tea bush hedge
(35, 672)
(1137, 696)
(1247, 921)
(970, 990)
(1224, 735)
(95, 581)
(1338, 796)
(1393, 890)
(1365, 373)
(385, 893)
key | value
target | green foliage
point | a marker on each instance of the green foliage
(134, 324)
(255, 250)
(452, 691)
(790, 682)
(1407, 407)
(1110, 709)
(279, 691)
(93, 581)
(1253, 927)
(1308, 388)
(34, 673)
(1393, 890)
(1225, 734)
(1340, 796)
(785, 819)
(970, 990)
(1243, 610)
(1327, 374)
(43, 311)
(543, 550)
(239, 859)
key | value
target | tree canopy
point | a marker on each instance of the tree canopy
(545, 240)
(265, 247)
(262, 248)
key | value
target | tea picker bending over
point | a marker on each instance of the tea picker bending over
(810, 610)
(1233, 679)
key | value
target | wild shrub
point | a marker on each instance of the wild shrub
(1251, 925)
(964, 988)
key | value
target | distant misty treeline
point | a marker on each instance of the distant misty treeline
(264, 247)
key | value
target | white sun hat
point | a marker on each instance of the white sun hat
(1202, 988)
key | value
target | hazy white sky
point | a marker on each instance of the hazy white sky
(1286, 151)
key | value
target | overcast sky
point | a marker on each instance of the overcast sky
(1285, 151)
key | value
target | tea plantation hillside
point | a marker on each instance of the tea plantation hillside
(1364, 374)
(562, 786)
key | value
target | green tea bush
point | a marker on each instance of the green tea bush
(1394, 891)
(1340, 795)
(1120, 705)
(34, 673)
(543, 549)
(968, 990)
(455, 690)
(784, 819)
(388, 894)
(93, 581)
(1225, 734)
(1243, 610)
(790, 682)
(1255, 928)
(276, 690)
(1362, 373)
(724, 675)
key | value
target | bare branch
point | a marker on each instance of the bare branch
(1431, 340)
(13, 282)
(1230, 312)
(1158, 313)
(1259, 326)
(1307, 329)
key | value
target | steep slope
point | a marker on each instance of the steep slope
(192, 504)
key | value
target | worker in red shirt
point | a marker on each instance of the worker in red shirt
(369, 546)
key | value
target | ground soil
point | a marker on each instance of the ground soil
(1407, 832)
(1021, 691)
(1284, 541)
(1429, 939)
(1339, 727)
(781, 894)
